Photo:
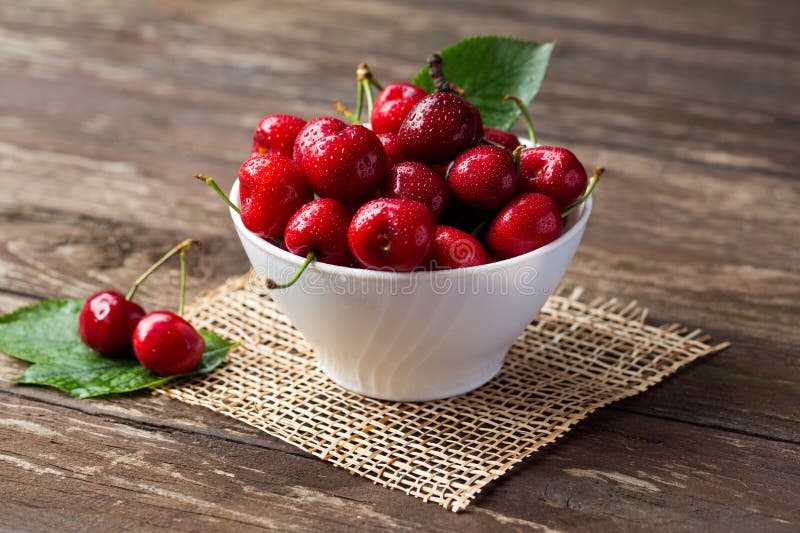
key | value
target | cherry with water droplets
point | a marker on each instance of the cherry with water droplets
(553, 171)
(276, 134)
(438, 128)
(528, 222)
(347, 165)
(391, 145)
(453, 248)
(393, 104)
(392, 234)
(413, 180)
(321, 227)
(313, 131)
(483, 177)
(271, 189)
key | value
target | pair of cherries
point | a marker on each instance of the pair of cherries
(391, 197)
(162, 341)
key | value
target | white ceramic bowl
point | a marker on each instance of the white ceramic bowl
(413, 336)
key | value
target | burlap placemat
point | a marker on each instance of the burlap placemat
(575, 358)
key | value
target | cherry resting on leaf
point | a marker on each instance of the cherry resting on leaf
(106, 323)
(276, 134)
(392, 234)
(393, 104)
(483, 177)
(415, 181)
(166, 344)
(107, 318)
(271, 189)
(348, 164)
(453, 248)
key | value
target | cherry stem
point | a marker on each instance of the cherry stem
(179, 248)
(365, 82)
(359, 99)
(525, 115)
(309, 258)
(436, 72)
(368, 93)
(183, 282)
(345, 111)
(480, 227)
(516, 155)
(598, 171)
(213, 184)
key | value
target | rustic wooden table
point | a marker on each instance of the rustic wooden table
(108, 107)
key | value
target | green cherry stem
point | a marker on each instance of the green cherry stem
(525, 115)
(346, 113)
(365, 82)
(516, 155)
(368, 93)
(359, 99)
(309, 258)
(179, 248)
(598, 171)
(213, 184)
(183, 282)
(480, 227)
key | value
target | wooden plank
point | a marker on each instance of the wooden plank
(649, 472)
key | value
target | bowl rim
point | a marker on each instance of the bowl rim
(574, 231)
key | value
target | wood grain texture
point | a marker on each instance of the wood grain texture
(107, 108)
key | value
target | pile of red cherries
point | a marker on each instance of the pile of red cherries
(427, 187)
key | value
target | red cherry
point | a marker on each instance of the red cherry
(271, 189)
(453, 248)
(321, 226)
(106, 323)
(415, 181)
(483, 177)
(166, 344)
(392, 234)
(528, 222)
(553, 171)
(391, 145)
(508, 140)
(313, 131)
(438, 127)
(276, 134)
(478, 136)
(347, 165)
(393, 104)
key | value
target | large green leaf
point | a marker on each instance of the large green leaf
(488, 68)
(46, 334)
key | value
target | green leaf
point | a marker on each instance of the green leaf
(46, 334)
(489, 67)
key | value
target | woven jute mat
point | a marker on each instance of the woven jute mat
(576, 357)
